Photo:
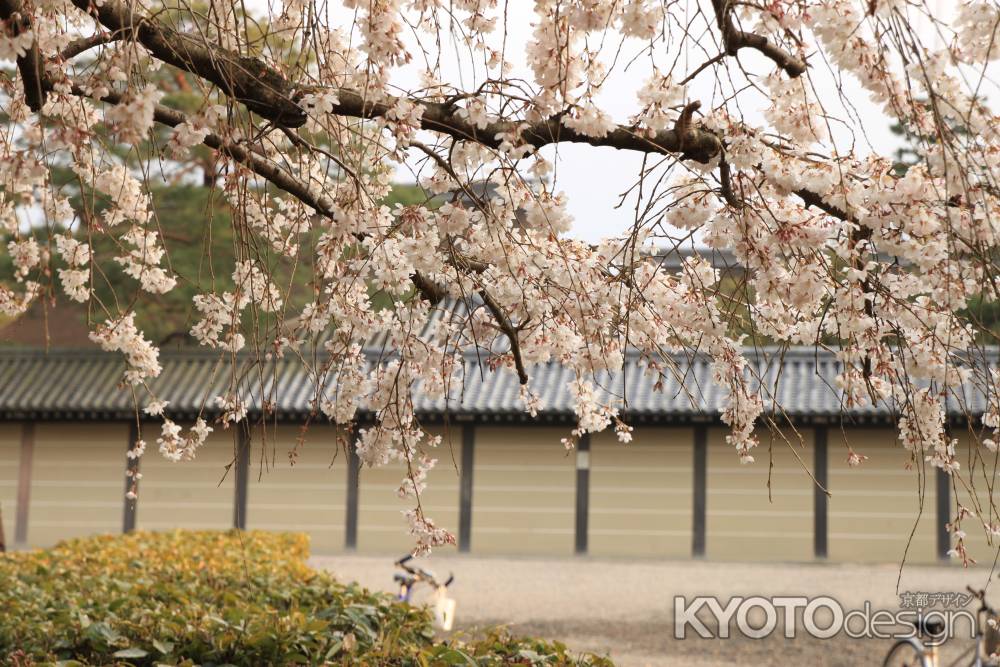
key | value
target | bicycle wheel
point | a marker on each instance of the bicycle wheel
(906, 653)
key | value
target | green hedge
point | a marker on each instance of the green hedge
(212, 598)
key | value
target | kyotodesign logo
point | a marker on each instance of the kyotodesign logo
(933, 616)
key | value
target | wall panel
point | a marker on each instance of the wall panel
(77, 482)
(875, 506)
(746, 519)
(196, 494)
(640, 493)
(523, 492)
(381, 525)
(10, 456)
(307, 496)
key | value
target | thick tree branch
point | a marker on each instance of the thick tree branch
(734, 39)
(30, 65)
(250, 81)
(267, 92)
(811, 198)
(726, 179)
(270, 94)
(78, 46)
(429, 289)
(509, 330)
(697, 144)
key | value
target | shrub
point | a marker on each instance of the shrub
(215, 598)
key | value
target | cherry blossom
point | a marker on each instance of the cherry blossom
(750, 125)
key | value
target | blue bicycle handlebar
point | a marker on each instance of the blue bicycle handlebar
(420, 573)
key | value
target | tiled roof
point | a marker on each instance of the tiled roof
(75, 384)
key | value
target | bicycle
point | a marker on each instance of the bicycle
(443, 606)
(913, 652)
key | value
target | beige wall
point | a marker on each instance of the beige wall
(77, 482)
(524, 491)
(875, 506)
(308, 496)
(381, 525)
(747, 521)
(195, 494)
(640, 493)
(10, 457)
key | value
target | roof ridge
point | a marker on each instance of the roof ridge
(750, 352)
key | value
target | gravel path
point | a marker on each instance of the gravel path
(625, 608)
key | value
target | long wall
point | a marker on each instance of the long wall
(503, 489)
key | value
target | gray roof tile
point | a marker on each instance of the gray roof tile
(80, 384)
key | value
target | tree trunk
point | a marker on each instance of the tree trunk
(3, 543)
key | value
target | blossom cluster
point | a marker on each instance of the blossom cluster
(831, 243)
(75, 279)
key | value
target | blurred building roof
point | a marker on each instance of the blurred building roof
(74, 384)
(62, 324)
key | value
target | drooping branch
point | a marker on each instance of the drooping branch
(859, 234)
(734, 39)
(287, 182)
(30, 64)
(242, 154)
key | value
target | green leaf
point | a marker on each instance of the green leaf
(163, 647)
(130, 653)
(446, 655)
(528, 654)
(101, 633)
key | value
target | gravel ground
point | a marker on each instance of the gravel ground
(625, 608)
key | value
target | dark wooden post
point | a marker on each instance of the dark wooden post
(943, 513)
(582, 493)
(24, 483)
(700, 480)
(3, 541)
(353, 481)
(820, 500)
(131, 483)
(242, 475)
(465, 487)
